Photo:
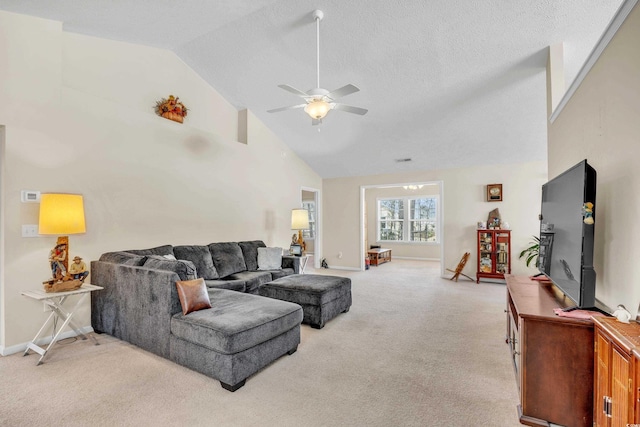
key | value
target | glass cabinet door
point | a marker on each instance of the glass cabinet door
(485, 250)
(502, 253)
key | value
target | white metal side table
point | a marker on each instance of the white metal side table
(55, 301)
(303, 263)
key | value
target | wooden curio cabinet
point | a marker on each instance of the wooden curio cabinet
(615, 372)
(494, 254)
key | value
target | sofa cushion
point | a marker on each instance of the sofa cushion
(227, 257)
(200, 257)
(276, 274)
(269, 258)
(250, 253)
(193, 295)
(238, 285)
(236, 321)
(185, 269)
(160, 250)
(253, 279)
(125, 258)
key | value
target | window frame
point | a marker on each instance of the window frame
(310, 234)
(379, 220)
(407, 221)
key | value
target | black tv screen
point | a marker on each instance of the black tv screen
(567, 233)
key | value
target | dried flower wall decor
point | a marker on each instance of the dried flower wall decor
(171, 109)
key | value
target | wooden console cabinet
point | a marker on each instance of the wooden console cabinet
(636, 385)
(552, 356)
(616, 373)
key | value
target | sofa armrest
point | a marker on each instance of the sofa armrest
(291, 261)
(136, 304)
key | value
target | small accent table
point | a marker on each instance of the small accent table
(303, 263)
(55, 301)
(379, 256)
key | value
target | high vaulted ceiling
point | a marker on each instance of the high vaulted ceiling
(448, 83)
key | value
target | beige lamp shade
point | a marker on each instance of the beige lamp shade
(61, 214)
(299, 219)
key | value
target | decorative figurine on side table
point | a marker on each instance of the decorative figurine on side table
(78, 270)
(58, 261)
(63, 276)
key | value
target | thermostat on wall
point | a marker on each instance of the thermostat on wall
(28, 196)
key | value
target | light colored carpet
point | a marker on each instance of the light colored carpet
(414, 350)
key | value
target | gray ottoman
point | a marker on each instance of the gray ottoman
(322, 297)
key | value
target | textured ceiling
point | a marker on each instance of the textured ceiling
(448, 83)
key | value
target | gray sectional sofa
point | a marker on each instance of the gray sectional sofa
(240, 334)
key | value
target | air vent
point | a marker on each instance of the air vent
(408, 159)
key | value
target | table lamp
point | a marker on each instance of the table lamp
(300, 221)
(61, 214)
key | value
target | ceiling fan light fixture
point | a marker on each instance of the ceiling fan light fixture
(318, 100)
(317, 109)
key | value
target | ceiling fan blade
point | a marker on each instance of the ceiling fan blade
(293, 107)
(343, 91)
(294, 91)
(350, 109)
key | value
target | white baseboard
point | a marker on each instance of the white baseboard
(449, 275)
(6, 351)
(395, 257)
(489, 280)
(416, 259)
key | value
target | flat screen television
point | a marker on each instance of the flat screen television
(567, 233)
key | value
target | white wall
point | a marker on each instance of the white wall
(464, 205)
(78, 113)
(601, 123)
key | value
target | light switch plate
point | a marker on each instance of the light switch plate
(30, 230)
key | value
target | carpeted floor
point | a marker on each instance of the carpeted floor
(414, 350)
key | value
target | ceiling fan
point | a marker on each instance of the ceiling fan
(318, 101)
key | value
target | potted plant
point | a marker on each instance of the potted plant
(532, 252)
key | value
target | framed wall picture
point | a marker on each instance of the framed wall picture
(494, 193)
